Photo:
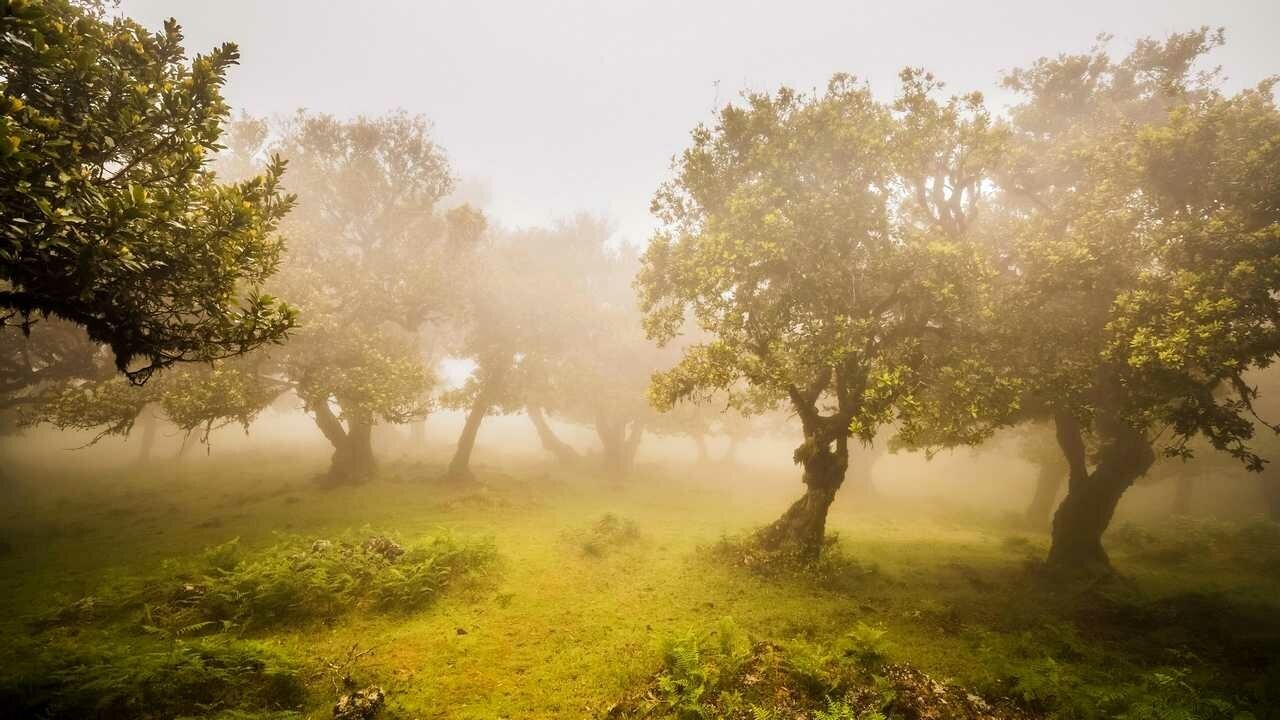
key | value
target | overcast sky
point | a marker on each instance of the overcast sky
(557, 107)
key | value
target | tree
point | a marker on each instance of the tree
(373, 266)
(1141, 203)
(112, 219)
(370, 268)
(820, 242)
(1038, 445)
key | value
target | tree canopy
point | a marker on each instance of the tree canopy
(820, 243)
(112, 217)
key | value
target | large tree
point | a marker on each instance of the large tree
(1144, 265)
(820, 242)
(369, 267)
(110, 217)
(372, 265)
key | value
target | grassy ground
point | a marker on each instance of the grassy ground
(569, 620)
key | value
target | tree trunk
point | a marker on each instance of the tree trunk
(802, 528)
(460, 466)
(1182, 494)
(354, 462)
(185, 447)
(352, 459)
(1048, 485)
(619, 444)
(148, 440)
(701, 441)
(1271, 492)
(552, 444)
(1092, 498)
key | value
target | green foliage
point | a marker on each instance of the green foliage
(112, 220)
(201, 679)
(800, 235)
(696, 667)
(291, 582)
(834, 568)
(867, 645)
(1183, 539)
(608, 534)
(1142, 262)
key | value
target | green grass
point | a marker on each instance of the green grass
(592, 579)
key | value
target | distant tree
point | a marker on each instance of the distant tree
(370, 266)
(1141, 207)
(820, 241)
(110, 217)
(373, 265)
(1038, 445)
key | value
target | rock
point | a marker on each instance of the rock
(360, 705)
(384, 547)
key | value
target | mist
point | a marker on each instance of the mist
(639, 360)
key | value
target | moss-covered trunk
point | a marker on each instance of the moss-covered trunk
(802, 528)
(1092, 497)
(562, 451)
(1049, 480)
(619, 442)
(147, 440)
(352, 459)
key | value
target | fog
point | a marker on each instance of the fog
(561, 107)
(817, 361)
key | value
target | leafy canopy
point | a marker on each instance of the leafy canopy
(111, 217)
(820, 242)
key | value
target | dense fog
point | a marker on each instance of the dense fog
(639, 360)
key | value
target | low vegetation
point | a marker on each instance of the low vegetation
(518, 607)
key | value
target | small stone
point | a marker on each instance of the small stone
(461, 631)
(360, 705)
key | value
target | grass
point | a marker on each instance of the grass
(584, 583)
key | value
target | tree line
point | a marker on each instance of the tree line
(916, 273)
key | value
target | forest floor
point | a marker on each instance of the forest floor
(593, 592)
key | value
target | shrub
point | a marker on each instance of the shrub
(293, 581)
(607, 535)
(833, 570)
(205, 679)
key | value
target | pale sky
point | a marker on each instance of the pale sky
(559, 107)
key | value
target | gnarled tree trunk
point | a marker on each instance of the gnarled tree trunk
(1048, 485)
(147, 419)
(352, 459)
(460, 465)
(619, 441)
(1092, 497)
(803, 526)
(552, 444)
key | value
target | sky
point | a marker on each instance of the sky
(558, 107)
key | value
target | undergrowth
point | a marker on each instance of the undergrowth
(722, 674)
(207, 678)
(834, 569)
(606, 536)
(293, 581)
